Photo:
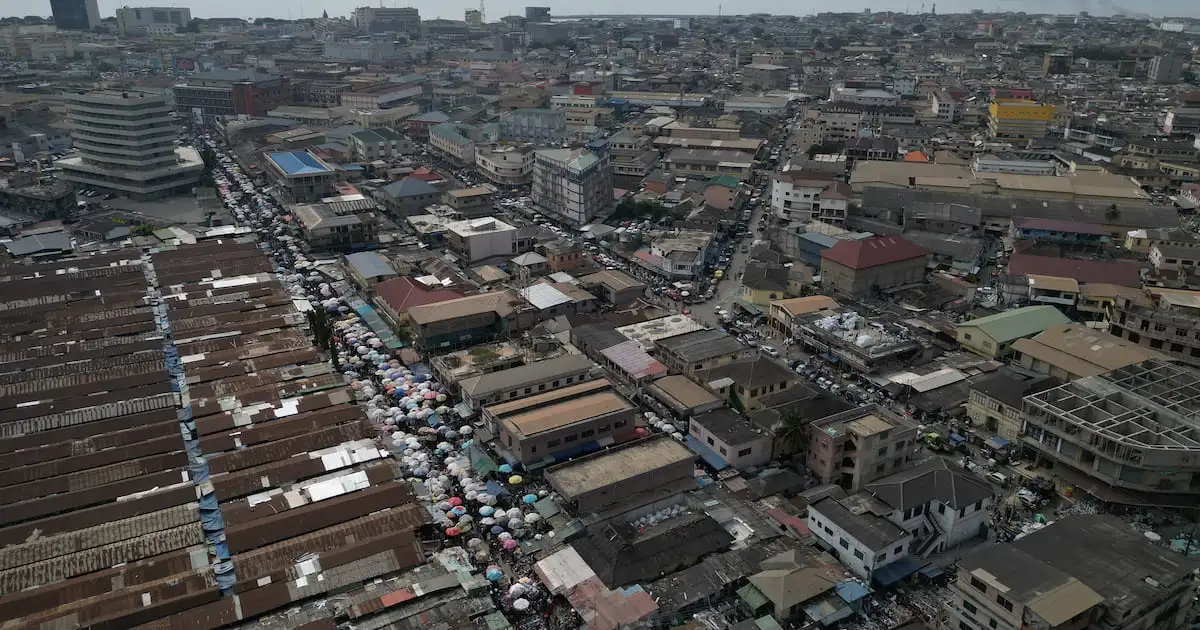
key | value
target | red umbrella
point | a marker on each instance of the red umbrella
(453, 531)
(455, 501)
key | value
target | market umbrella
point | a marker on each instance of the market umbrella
(510, 544)
(505, 469)
(515, 480)
(453, 531)
(521, 604)
(529, 498)
(494, 573)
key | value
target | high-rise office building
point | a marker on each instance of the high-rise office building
(75, 15)
(151, 20)
(537, 14)
(126, 145)
(383, 19)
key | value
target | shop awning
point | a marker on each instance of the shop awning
(709, 456)
(895, 572)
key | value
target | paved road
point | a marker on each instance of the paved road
(730, 288)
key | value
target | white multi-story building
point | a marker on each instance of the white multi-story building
(572, 185)
(505, 165)
(479, 239)
(539, 126)
(151, 20)
(126, 145)
(916, 512)
(449, 140)
(799, 197)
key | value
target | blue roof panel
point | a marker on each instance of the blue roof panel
(298, 163)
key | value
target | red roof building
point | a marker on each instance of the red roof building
(874, 251)
(394, 297)
(1125, 274)
(873, 264)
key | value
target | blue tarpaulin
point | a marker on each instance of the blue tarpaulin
(895, 572)
(709, 456)
(997, 443)
(957, 439)
(931, 572)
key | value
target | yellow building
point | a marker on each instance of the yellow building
(1013, 118)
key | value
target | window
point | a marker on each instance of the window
(542, 387)
(880, 468)
(603, 428)
(744, 452)
(978, 585)
(898, 550)
(967, 336)
(941, 508)
(555, 383)
(1004, 603)
(710, 441)
(843, 543)
(570, 438)
(858, 554)
(620, 423)
(533, 449)
(993, 624)
(528, 390)
(587, 433)
(969, 607)
(882, 452)
(553, 443)
(723, 451)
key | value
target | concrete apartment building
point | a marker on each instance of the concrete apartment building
(856, 447)
(1165, 69)
(861, 267)
(300, 176)
(450, 140)
(1083, 571)
(152, 21)
(474, 240)
(471, 203)
(572, 185)
(995, 403)
(562, 423)
(765, 76)
(1018, 119)
(1132, 430)
(126, 145)
(533, 125)
(526, 380)
(506, 166)
(1164, 320)
(726, 439)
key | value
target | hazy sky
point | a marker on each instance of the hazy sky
(453, 9)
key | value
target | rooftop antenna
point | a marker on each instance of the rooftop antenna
(482, 13)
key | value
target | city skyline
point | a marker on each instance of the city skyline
(297, 9)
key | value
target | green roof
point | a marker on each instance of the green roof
(728, 181)
(1015, 324)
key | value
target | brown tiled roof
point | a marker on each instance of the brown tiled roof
(873, 252)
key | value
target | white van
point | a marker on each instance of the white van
(998, 479)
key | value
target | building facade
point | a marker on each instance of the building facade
(537, 126)
(151, 20)
(856, 447)
(126, 145)
(75, 15)
(572, 185)
(1019, 119)
(506, 166)
(229, 92)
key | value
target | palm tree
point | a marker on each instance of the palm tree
(791, 434)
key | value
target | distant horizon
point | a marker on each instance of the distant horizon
(299, 9)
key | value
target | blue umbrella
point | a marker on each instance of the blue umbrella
(529, 498)
(505, 468)
(496, 529)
